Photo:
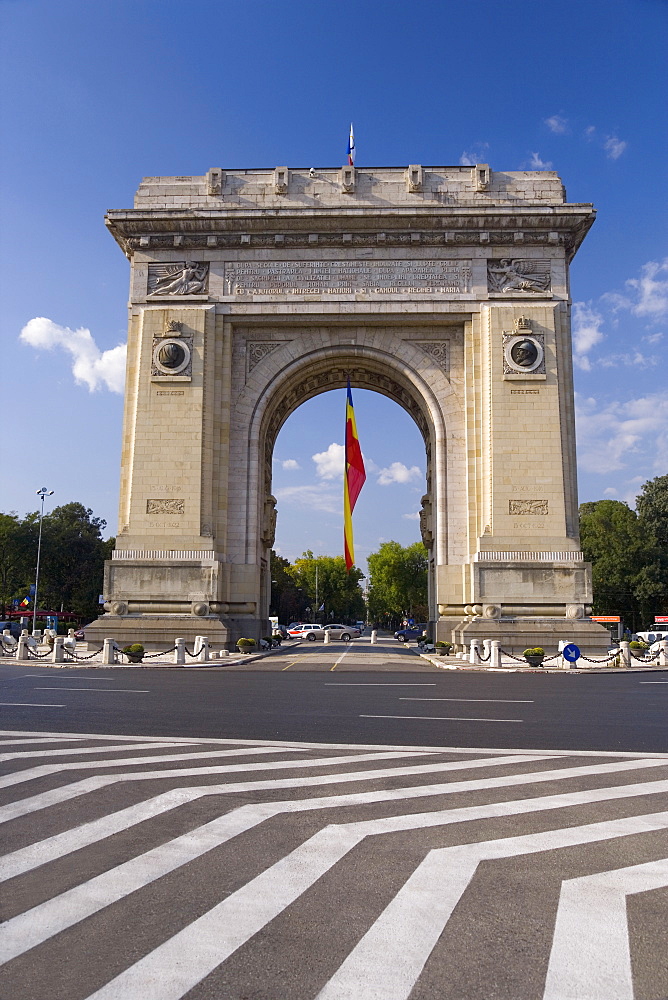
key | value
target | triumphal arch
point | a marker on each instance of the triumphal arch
(445, 289)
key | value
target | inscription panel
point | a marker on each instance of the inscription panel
(347, 277)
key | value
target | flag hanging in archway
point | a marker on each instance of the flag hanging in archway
(353, 479)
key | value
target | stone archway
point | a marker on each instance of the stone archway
(444, 288)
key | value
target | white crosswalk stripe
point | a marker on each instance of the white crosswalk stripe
(391, 848)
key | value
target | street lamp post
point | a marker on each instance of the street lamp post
(43, 492)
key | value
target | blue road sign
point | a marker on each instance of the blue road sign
(571, 652)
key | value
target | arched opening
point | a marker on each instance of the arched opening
(317, 373)
(307, 482)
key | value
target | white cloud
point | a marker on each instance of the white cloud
(623, 435)
(653, 338)
(412, 517)
(557, 124)
(611, 491)
(629, 359)
(290, 464)
(648, 294)
(319, 497)
(90, 366)
(397, 472)
(535, 163)
(329, 464)
(590, 132)
(476, 154)
(586, 333)
(614, 147)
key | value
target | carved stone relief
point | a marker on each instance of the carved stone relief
(523, 354)
(172, 356)
(438, 350)
(426, 522)
(269, 521)
(255, 352)
(165, 506)
(527, 507)
(518, 275)
(188, 277)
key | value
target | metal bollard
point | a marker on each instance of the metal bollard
(626, 654)
(474, 654)
(58, 652)
(496, 653)
(203, 656)
(326, 637)
(374, 636)
(663, 653)
(180, 652)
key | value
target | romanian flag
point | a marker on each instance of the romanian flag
(351, 147)
(25, 602)
(353, 480)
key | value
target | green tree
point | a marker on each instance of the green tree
(398, 582)
(287, 600)
(652, 507)
(337, 589)
(18, 556)
(626, 562)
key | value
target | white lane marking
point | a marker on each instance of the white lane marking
(378, 684)
(437, 718)
(592, 924)
(36, 854)
(69, 751)
(177, 965)
(653, 682)
(495, 701)
(35, 926)
(45, 799)
(108, 680)
(62, 794)
(59, 687)
(31, 774)
(416, 917)
(298, 745)
(29, 704)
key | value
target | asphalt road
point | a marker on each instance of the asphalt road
(350, 693)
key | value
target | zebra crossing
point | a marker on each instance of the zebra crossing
(157, 869)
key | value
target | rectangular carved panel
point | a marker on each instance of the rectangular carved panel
(527, 507)
(165, 506)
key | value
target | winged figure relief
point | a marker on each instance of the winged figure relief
(183, 278)
(518, 275)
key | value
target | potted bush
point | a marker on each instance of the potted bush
(443, 648)
(245, 645)
(134, 652)
(534, 655)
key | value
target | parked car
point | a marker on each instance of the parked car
(345, 632)
(305, 631)
(411, 632)
(14, 628)
(79, 633)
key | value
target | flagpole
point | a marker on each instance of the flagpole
(43, 492)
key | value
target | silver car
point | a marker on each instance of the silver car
(345, 632)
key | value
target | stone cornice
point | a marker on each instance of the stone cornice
(194, 229)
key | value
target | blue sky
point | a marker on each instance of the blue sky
(97, 95)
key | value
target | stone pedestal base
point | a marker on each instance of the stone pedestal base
(516, 635)
(157, 632)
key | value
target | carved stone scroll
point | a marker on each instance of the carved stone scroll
(165, 506)
(527, 507)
